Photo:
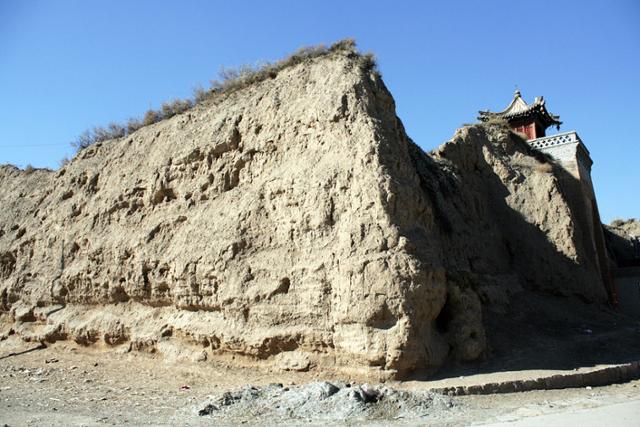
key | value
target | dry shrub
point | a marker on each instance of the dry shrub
(369, 62)
(133, 124)
(151, 117)
(177, 106)
(200, 94)
(84, 140)
(115, 130)
(348, 44)
(100, 134)
(167, 110)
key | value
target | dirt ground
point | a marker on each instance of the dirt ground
(66, 384)
(69, 384)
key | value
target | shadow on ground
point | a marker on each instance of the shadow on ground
(549, 332)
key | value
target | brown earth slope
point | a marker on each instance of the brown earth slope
(290, 224)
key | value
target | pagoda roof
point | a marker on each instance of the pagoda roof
(519, 109)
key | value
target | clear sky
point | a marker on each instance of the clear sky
(66, 66)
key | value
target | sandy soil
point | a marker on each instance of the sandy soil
(67, 384)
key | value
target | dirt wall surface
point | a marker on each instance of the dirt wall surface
(623, 237)
(292, 225)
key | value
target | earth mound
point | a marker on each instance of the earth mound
(291, 224)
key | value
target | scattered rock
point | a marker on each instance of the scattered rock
(323, 401)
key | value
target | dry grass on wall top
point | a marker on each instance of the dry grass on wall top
(230, 80)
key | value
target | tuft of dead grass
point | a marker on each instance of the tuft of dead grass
(151, 117)
(618, 222)
(544, 167)
(63, 162)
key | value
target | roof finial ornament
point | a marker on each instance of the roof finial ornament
(517, 94)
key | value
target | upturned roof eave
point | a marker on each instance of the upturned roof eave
(519, 109)
(536, 109)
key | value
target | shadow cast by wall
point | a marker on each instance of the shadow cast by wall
(557, 317)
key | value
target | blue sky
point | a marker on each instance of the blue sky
(66, 66)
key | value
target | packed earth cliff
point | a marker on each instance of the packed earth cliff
(292, 225)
